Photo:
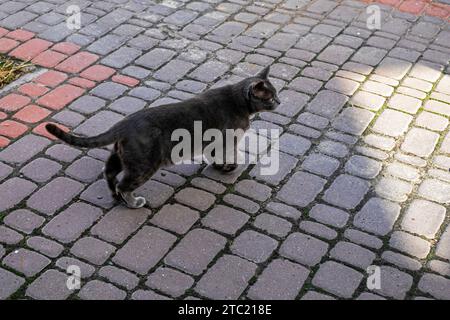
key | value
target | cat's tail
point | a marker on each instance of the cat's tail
(101, 140)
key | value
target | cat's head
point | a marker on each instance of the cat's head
(262, 94)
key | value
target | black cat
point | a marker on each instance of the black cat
(142, 141)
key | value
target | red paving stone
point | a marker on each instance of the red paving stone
(59, 97)
(32, 114)
(83, 83)
(438, 10)
(33, 90)
(13, 102)
(97, 73)
(49, 58)
(12, 129)
(3, 142)
(128, 81)
(51, 78)
(66, 47)
(7, 45)
(20, 34)
(3, 115)
(40, 130)
(3, 31)
(77, 62)
(412, 6)
(30, 49)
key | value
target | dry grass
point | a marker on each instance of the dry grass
(11, 69)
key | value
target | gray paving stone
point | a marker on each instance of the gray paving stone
(14, 191)
(346, 191)
(393, 189)
(363, 167)
(420, 142)
(10, 283)
(353, 120)
(320, 164)
(72, 222)
(280, 280)
(209, 71)
(120, 277)
(435, 285)
(393, 68)
(41, 169)
(253, 246)
(23, 220)
(303, 248)
(195, 251)
(93, 250)
(176, 218)
(86, 270)
(329, 215)
(144, 250)
(85, 169)
(196, 198)
(327, 103)
(352, 254)
(26, 262)
(127, 105)
(9, 236)
(333, 148)
(23, 149)
(337, 279)
(45, 246)
(394, 283)
(226, 279)
(301, 189)
(169, 281)
(409, 244)
(54, 195)
(404, 103)
(416, 221)
(392, 123)
(51, 285)
(63, 152)
(367, 100)
(109, 90)
(377, 216)
(99, 290)
(369, 55)
(306, 85)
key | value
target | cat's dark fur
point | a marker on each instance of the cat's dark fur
(142, 141)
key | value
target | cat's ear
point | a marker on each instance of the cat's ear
(260, 90)
(263, 73)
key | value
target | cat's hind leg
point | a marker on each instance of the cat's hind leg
(113, 167)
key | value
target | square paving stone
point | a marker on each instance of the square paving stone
(87, 104)
(253, 246)
(337, 279)
(353, 120)
(280, 280)
(377, 216)
(420, 142)
(320, 164)
(195, 251)
(225, 219)
(169, 281)
(392, 123)
(423, 218)
(346, 191)
(226, 279)
(176, 218)
(14, 191)
(51, 285)
(144, 250)
(303, 248)
(394, 283)
(301, 189)
(85, 169)
(93, 250)
(10, 283)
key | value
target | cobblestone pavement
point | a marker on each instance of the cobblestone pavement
(364, 168)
